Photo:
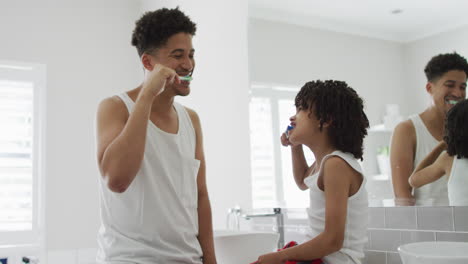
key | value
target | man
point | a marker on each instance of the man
(413, 139)
(154, 199)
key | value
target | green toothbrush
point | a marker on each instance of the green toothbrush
(187, 78)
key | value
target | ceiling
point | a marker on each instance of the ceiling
(371, 18)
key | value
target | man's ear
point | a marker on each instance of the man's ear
(147, 61)
(429, 87)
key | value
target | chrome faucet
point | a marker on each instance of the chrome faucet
(278, 214)
(236, 213)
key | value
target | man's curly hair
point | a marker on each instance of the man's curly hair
(154, 28)
(456, 130)
(443, 63)
(337, 103)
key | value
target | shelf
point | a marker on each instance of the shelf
(380, 128)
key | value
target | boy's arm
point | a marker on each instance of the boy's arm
(299, 163)
(431, 168)
(300, 167)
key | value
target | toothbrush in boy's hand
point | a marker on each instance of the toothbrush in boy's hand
(287, 131)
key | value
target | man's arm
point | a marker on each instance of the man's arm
(205, 232)
(121, 142)
(402, 161)
(431, 168)
(121, 137)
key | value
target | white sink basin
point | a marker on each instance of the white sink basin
(434, 253)
(243, 247)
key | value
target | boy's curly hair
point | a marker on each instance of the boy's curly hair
(456, 130)
(154, 28)
(443, 63)
(337, 103)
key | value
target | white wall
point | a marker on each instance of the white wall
(220, 97)
(417, 53)
(291, 54)
(86, 48)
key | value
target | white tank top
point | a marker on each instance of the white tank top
(356, 217)
(458, 182)
(435, 193)
(156, 219)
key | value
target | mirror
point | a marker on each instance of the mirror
(380, 50)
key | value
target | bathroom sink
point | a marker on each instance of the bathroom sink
(434, 253)
(243, 247)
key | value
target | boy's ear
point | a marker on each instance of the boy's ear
(327, 123)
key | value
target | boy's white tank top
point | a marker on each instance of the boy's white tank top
(435, 193)
(156, 219)
(355, 238)
(458, 182)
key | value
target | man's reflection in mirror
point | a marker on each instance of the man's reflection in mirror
(449, 158)
(415, 138)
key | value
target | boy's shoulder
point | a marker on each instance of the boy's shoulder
(338, 164)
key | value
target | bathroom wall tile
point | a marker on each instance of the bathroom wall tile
(461, 218)
(368, 244)
(295, 234)
(62, 256)
(86, 255)
(262, 220)
(295, 217)
(295, 222)
(435, 218)
(376, 217)
(267, 228)
(451, 236)
(391, 227)
(375, 257)
(385, 240)
(416, 236)
(400, 217)
(393, 258)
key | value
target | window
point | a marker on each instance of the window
(271, 169)
(21, 105)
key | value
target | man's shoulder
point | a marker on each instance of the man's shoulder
(189, 110)
(111, 100)
(112, 105)
(405, 133)
(192, 113)
(405, 127)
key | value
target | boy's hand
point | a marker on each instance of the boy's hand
(272, 258)
(442, 145)
(284, 140)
